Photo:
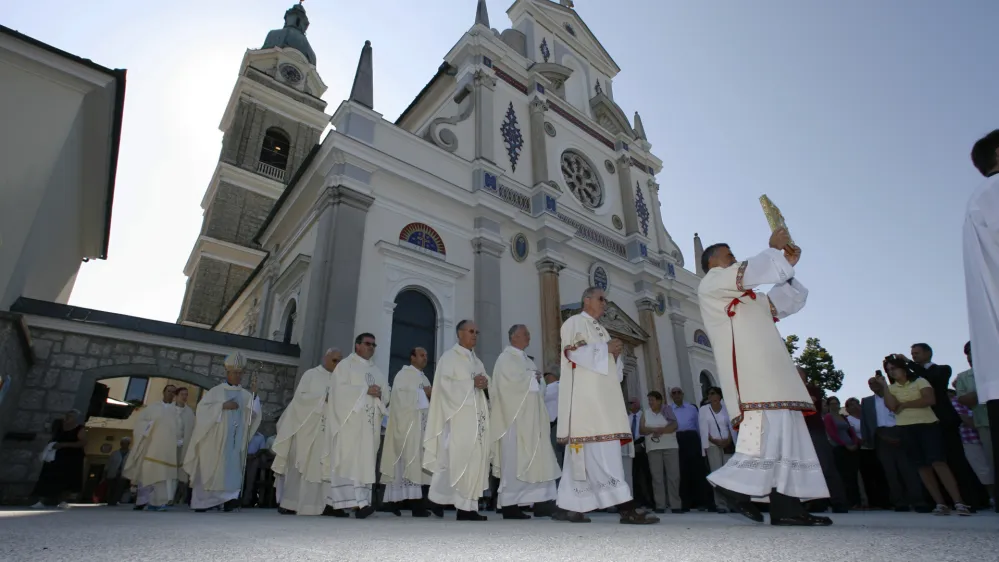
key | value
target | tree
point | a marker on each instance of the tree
(817, 363)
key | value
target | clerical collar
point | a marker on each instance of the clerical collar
(361, 359)
(464, 350)
(992, 173)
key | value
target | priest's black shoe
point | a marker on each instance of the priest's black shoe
(437, 510)
(514, 512)
(283, 511)
(420, 512)
(570, 516)
(328, 511)
(470, 516)
(365, 512)
(230, 505)
(803, 520)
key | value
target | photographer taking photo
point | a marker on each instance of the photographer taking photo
(911, 399)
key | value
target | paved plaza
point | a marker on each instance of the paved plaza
(103, 533)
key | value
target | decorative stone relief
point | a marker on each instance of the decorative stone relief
(617, 222)
(519, 247)
(549, 129)
(582, 181)
(545, 53)
(597, 88)
(642, 209)
(570, 29)
(511, 137)
(445, 138)
(609, 166)
(660, 304)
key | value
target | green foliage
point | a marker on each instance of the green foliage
(817, 362)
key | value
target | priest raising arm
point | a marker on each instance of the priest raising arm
(406, 482)
(456, 447)
(523, 457)
(302, 444)
(359, 398)
(764, 389)
(592, 419)
(227, 418)
(153, 464)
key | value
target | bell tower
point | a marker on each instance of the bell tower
(273, 119)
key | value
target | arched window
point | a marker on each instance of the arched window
(289, 321)
(706, 383)
(274, 152)
(701, 338)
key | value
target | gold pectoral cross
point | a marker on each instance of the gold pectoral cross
(576, 447)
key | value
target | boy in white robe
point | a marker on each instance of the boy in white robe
(227, 418)
(774, 459)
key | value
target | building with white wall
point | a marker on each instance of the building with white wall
(511, 183)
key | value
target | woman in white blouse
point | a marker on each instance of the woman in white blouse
(717, 437)
(658, 424)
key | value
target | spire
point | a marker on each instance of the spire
(363, 91)
(698, 252)
(482, 14)
(640, 128)
(567, 3)
(292, 35)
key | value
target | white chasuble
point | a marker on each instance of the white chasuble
(302, 445)
(765, 397)
(356, 428)
(402, 451)
(216, 457)
(523, 457)
(592, 419)
(456, 447)
(188, 419)
(981, 278)
(153, 463)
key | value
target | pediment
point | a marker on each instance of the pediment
(554, 72)
(576, 33)
(610, 116)
(617, 322)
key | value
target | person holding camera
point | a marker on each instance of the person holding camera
(911, 399)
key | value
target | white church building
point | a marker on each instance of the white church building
(511, 183)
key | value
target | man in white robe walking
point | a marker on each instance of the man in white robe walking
(981, 278)
(523, 457)
(359, 398)
(188, 418)
(228, 416)
(153, 464)
(592, 420)
(406, 482)
(302, 444)
(456, 447)
(774, 460)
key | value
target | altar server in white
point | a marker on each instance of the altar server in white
(592, 419)
(774, 459)
(302, 445)
(981, 279)
(402, 451)
(153, 464)
(457, 444)
(359, 397)
(227, 417)
(523, 457)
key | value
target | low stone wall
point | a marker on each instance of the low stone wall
(63, 376)
(15, 361)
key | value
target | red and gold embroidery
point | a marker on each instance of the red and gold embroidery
(773, 310)
(624, 437)
(740, 274)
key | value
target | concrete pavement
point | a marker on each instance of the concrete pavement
(103, 533)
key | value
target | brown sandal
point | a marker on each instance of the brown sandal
(570, 516)
(633, 517)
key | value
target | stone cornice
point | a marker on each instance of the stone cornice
(549, 265)
(483, 245)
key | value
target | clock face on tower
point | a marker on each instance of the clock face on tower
(290, 73)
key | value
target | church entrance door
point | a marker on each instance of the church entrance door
(414, 324)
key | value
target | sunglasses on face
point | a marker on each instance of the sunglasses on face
(370, 344)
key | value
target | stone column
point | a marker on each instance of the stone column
(650, 349)
(488, 300)
(657, 214)
(270, 272)
(627, 189)
(539, 142)
(330, 311)
(682, 356)
(484, 85)
(551, 312)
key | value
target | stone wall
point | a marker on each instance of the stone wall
(15, 360)
(235, 214)
(213, 285)
(64, 374)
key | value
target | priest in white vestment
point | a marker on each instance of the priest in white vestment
(187, 417)
(359, 399)
(981, 279)
(228, 416)
(153, 464)
(302, 444)
(523, 457)
(406, 482)
(457, 443)
(774, 459)
(592, 419)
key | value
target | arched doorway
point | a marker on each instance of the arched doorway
(289, 321)
(414, 324)
(707, 381)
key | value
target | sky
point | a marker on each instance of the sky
(855, 117)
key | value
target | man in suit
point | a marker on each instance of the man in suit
(972, 490)
(824, 452)
(878, 431)
(117, 484)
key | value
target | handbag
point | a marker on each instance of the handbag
(730, 448)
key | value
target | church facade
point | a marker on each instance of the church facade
(510, 184)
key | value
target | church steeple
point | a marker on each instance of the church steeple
(698, 252)
(482, 13)
(292, 35)
(363, 89)
(640, 128)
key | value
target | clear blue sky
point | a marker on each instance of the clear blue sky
(856, 117)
